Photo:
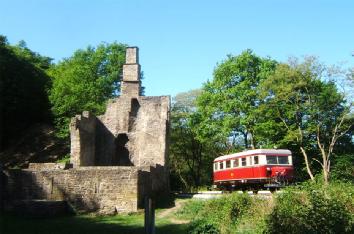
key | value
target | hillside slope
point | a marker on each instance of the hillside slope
(37, 144)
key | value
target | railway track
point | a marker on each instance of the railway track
(216, 194)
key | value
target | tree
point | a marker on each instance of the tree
(190, 158)
(313, 112)
(229, 104)
(85, 81)
(23, 89)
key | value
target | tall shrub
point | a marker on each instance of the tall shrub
(313, 209)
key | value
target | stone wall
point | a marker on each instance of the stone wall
(82, 136)
(48, 166)
(145, 121)
(104, 190)
(150, 130)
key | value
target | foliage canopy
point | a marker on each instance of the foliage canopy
(229, 104)
(85, 81)
(23, 89)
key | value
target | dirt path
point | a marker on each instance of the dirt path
(168, 213)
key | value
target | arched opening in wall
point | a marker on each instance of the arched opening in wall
(134, 109)
(121, 156)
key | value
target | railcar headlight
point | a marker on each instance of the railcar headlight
(268, 169)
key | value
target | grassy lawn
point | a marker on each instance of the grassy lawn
(125, 224)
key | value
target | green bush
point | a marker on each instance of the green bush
(306, 208)
(254, 218)
(219, 214)
(343, 168)
(202, 226)
(313, 208)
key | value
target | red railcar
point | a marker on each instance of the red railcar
(254, 169)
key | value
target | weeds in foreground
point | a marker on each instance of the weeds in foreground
(307, 208)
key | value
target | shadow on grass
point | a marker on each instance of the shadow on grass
(172, 229)
(125, 224)
(165, 201)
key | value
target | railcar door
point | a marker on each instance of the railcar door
(256, 168)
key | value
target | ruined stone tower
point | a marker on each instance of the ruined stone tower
(117, 159)
(132, 132)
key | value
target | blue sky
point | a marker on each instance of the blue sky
(181, 41)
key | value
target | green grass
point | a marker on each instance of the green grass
(190, 209)
(85, 224)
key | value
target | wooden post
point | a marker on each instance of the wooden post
(152, 217)
(149, 216)
(146, 216)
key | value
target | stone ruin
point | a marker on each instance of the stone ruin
(116, 159)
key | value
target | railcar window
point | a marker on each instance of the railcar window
(272, 159)
(255, 160)
(236, 162)
(215, 166)
(283, 159)
(243, 162)
(228, 164)
(221, 165)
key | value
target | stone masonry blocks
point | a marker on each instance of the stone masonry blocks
(105, 190)
(82, 137)
(132, 55)
(131, 72)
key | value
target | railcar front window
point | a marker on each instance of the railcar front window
(215, 166)
(283, 159)
(228, 164)
(243, 161)
(272, 159)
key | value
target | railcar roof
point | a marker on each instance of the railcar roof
(256, 151)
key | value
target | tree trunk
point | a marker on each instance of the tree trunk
(252, 142)
(307, 163)
(325, 157)
(325, 165)
(325, 173)
(246, 141)
(184, 182)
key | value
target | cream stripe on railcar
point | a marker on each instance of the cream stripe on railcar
(257, 151)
